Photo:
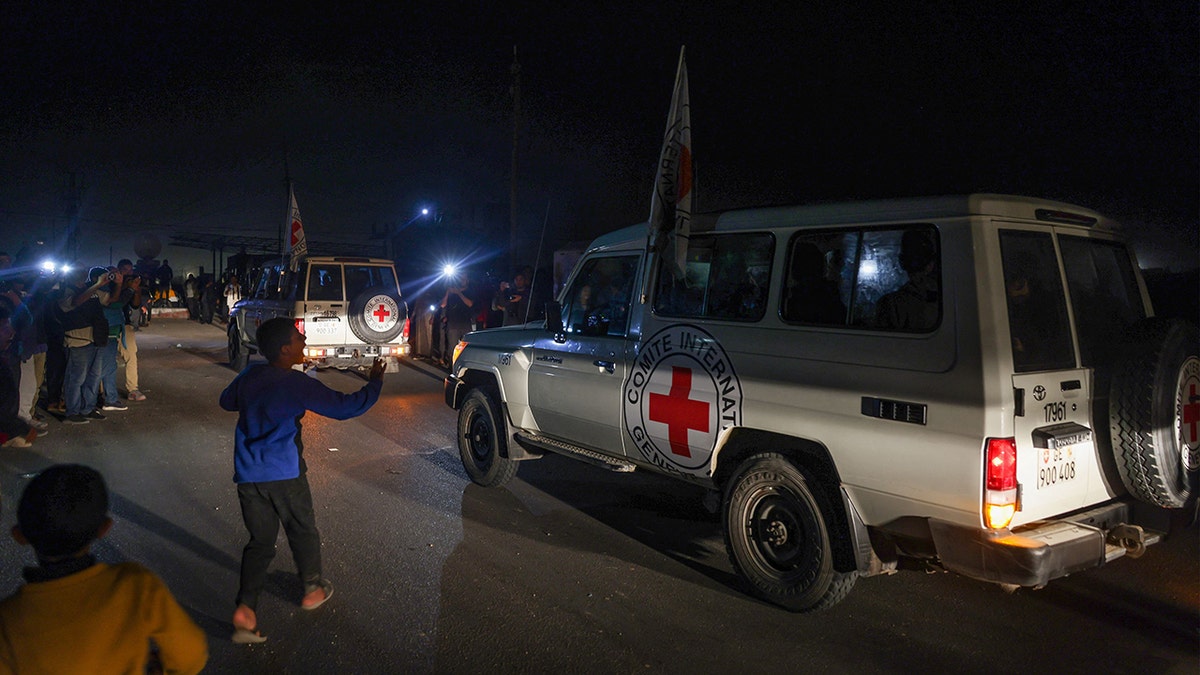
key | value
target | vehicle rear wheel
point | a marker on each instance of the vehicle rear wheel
(777, 535)
(481, 439)
(239, 355)
(1154, 413)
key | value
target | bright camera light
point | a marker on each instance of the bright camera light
(449, 270)
(424, 212)
(48, 266)
(433, 308)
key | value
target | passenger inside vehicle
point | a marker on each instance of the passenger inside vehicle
(811, 297)
(915, 306)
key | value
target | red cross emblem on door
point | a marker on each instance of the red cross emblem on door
(680, 413)
(382, 313)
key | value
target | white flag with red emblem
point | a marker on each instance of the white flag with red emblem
(299, 246)
(671, 203)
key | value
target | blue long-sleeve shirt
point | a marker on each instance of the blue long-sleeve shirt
(270, 402)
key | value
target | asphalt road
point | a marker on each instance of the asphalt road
(568, 569)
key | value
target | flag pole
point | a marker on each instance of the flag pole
(671, 199)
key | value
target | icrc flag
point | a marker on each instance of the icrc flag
(299, 246)
(671, 203)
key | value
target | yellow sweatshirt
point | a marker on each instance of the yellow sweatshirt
(100, 620)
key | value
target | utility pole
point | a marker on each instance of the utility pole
(515, 70)
(72, 203)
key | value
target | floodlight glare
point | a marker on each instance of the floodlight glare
(448, 270)
(48, 266)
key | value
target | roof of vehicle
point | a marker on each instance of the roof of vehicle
(332, 259)
(881, 211)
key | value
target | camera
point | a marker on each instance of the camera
(112, 276)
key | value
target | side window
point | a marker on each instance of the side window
(261, 280)
(818, 280)
(726, 277)
(598, 301)
(270, 283)
(1037, 309)
(325, 282)
(872, 279)
(899, 280)
(1104, 294)
(281, 283)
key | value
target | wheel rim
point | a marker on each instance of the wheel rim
(779, 529)
(479, 439)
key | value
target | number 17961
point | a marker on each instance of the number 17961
(1055, 412)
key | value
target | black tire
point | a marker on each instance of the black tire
(239, 355)
(365, 304)
(1154, 412)
(482, 441)
(778, 538)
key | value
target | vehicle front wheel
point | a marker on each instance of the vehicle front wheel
(777, 534)
(481, 439)
(239, 356)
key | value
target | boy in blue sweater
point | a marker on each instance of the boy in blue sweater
(269, 464)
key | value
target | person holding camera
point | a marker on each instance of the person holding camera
(457, 315)
(513, 299)
(85, 333)
(112, 297)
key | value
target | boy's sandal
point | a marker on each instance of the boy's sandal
(248, 636)
(309, 605)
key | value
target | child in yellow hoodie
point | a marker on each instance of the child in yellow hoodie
(77, 615)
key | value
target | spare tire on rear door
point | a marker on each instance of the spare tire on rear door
(1154, 412)
(377, 315)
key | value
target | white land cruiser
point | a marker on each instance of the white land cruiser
(349, 309)
(973, 382)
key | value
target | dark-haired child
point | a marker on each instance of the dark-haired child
(77, 615)
(269, 468)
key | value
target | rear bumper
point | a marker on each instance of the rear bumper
(362, 357)
(1034, 555)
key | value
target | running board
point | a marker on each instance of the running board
(534, 442)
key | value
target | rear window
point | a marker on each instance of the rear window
(325, 282)
(1104, 294)
(361, 277)
(1037, 309)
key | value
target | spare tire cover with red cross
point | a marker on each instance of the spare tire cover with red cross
(1154, 412)
(377, 315)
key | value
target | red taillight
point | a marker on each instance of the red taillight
(1002, 464)
(300, 326)
(1000, 478)
(405, 331)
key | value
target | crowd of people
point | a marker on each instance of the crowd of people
(468, 303)
(62, 339)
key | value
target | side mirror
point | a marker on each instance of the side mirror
(554, 322)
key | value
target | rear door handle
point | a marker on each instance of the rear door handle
(606, 366)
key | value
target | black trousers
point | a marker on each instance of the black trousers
(56, 372)
(264, 507)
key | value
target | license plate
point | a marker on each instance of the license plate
(1062, 450)
(1061, 464)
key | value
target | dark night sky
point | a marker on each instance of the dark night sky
(177, 120)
